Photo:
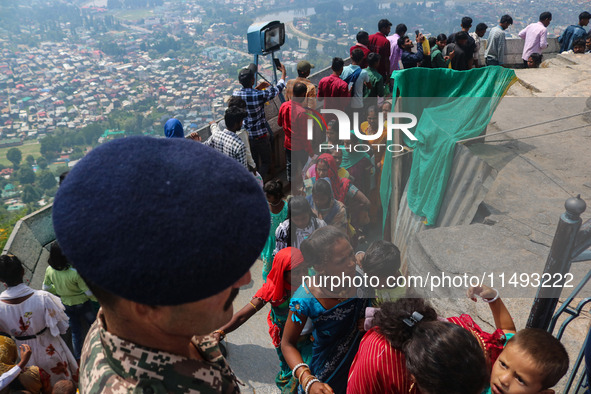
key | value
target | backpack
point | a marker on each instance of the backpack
(352, 78)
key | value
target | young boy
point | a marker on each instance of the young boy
(578, 47)
(382, 260)
(375, 78)
(532, 362)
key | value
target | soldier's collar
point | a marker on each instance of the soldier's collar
(135, 363)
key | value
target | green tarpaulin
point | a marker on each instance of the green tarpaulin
(450, 106)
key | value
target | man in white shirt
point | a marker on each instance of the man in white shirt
(477, 35)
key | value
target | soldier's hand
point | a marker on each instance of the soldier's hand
(219, 335)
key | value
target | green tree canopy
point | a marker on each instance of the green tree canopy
(30, 160)
(60, 170)
(50, 147)
(42, 162)
(30, 194)
(14, 155)
(25, 176)
(46, 180)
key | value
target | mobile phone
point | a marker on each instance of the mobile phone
(417, 33)
(277, 62)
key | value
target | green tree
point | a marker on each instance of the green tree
(50, 156)
(46, 180)
(51, 192)
(14, 155)
(26, 176)
(42, 162)
(30, 160)
(50, 147)
(60, 170)
(30, 194)
(312, 44)
(76, 156)
(92, 132)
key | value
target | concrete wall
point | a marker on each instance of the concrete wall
(29, 241)
(514, 50)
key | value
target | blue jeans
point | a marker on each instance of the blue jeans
(78, 313)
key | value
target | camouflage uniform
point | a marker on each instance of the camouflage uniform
(111, 365)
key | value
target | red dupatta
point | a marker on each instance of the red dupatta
(492, 344)
(274, 290)
(340, 186)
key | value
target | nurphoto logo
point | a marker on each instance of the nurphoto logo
(345, 129)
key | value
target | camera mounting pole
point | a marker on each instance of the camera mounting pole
(266, 38)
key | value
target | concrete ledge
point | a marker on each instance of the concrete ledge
(478, 250)
(28, 241)
(514, 50)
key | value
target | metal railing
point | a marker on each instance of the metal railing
(570, 244)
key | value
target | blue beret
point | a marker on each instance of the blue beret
(160, 221)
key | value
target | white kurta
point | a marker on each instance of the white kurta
(49, 351)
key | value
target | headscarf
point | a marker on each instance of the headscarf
(327, 214)
(274, 289)
(18, 291)
(340, 186)
(173, 129)
(353, 157)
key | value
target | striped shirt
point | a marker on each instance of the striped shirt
(228, 143)
(379, 368)
(255, 123)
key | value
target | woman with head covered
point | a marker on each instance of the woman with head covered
(173, 128)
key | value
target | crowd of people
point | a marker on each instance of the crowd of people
(338, 340)
(156, 236)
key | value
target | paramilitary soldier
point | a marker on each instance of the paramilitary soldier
(164, 231)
